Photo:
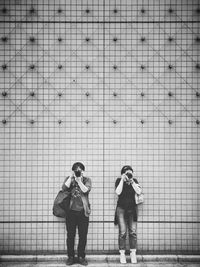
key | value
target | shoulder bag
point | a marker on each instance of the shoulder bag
(61, 203)
(139, 199)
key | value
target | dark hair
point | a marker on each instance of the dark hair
(126, 168)
(78, 164)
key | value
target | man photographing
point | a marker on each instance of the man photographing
(77, 216)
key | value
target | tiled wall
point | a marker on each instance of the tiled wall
(107, 83)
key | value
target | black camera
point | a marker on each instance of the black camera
(77, 173)
(129, 175)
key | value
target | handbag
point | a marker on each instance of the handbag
(139, 199)
(61, 204)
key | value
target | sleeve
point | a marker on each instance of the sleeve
(117, 182)
(138, 186)
(88, 184)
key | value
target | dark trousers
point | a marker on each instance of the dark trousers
(76, 219)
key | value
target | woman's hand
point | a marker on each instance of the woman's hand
(131, 181)
(124, 177)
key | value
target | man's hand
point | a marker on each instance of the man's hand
(83, 188)
(78, 179)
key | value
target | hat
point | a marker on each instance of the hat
(78, 164)
(126, 168)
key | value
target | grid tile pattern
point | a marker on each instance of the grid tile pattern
(107, 83)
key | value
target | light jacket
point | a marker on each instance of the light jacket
(84, 196)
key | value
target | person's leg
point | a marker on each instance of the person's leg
(132, 230)
(83, 223)
(71, 224)
(122, 233)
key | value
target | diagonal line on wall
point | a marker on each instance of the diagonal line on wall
(155, 78)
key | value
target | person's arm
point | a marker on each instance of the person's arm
(136, 187)
(67, 183)
(85, 188)
(119, 188)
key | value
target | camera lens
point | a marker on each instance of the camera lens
(77, 173)
(129, 175)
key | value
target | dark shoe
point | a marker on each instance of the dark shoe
(70, 261)
(82, 261)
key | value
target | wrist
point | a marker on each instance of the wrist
(78, 180)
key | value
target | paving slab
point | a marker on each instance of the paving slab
(100, 261)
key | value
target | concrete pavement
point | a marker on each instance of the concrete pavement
(140, 264)
(101, 261)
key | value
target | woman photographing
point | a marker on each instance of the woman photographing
(126, 212)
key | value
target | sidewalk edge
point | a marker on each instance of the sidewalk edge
(100, 258)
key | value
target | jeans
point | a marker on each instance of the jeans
(126, 222)
(76, 219)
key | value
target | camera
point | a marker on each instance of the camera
(129, 175)
(77, 173)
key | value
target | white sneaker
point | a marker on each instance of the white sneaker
(122, 256)
(133, 256)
